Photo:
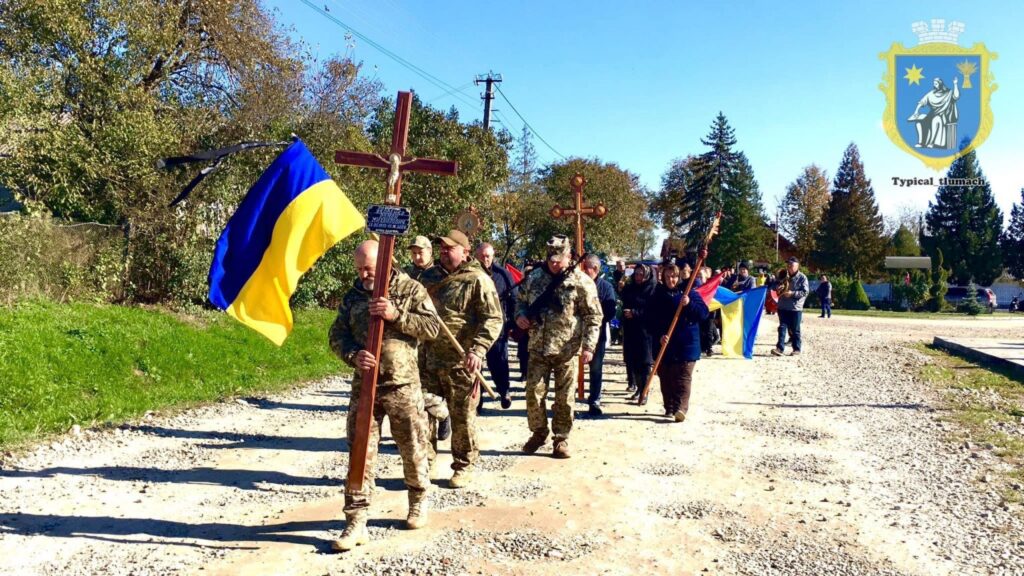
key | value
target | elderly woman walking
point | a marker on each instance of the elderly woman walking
(636, 297)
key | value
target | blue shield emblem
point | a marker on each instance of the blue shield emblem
(937, 95)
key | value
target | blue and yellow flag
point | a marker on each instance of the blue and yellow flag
(286, 222)
(741, 315)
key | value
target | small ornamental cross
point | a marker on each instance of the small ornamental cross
(396, 164)
(579, 210)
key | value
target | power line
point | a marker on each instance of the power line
(449, 89)
(539, 137)
(402, 61)
(447, 92)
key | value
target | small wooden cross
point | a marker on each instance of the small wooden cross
(579, 210)
(396, 164)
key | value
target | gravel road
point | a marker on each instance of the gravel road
(836, 462)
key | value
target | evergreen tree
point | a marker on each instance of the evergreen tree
(969, 305)
(803, 208)
(697, 187)
(1013, 240)
(904, 243)
(937, 292)
(965, 222)
(850, 239)
(712, 173)
(743, 233)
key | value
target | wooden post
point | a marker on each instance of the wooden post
(396, 164)
(578, 211)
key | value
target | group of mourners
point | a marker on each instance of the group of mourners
(443, 321)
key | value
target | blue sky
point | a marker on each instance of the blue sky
(639, 83)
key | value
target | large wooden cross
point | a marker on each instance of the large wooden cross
(396, 164)
(578, 211)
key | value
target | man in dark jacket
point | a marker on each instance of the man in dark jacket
(606, 296)
(824, 292)
(497, 356)
(741, 282)
(791, 306)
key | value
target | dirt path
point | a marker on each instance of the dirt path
(833, 463)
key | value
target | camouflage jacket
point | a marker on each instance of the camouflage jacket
(572, 322)
(414, 272)
(467, 302)
(417, 320)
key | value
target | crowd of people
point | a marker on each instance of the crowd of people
(444, 321)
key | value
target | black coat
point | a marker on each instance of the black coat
(636, 337)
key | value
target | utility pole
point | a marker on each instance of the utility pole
(489, 79)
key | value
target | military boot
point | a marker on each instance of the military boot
(561, 449)
(461, 478)
(355, 534)
(418, 506)
(535, 442)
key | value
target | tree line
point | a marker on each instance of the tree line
(93, 92)
(835, 223)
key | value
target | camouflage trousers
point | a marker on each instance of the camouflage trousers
(455, 386)
(563, 369)
(403, 405)
(437, 408)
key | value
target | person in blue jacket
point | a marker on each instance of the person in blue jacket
(683, 350)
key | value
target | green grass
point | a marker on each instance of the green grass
(65, 364)
(1002, 401)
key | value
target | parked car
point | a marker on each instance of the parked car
(986, 297)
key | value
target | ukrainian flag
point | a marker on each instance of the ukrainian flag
(741, 315)
(286, 222)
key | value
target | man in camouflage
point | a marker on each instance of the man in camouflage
(421, 256)
(409, 318)
(564, 331)
(467, 301)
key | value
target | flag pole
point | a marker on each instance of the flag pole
(702, 255)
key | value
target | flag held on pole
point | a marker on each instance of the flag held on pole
(741, 315)
(289, 218)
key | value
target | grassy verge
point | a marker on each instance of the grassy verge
(62, 365)
(981, 399)
(918, 315)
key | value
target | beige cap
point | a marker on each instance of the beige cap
(420, 242)
(455, 238)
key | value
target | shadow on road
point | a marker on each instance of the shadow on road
(261, 441)
(103, 527)
(242, 479)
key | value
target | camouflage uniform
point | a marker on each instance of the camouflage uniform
(414, 271)
(398, 383)
(436, 407)
(467, 302)
(572, 322)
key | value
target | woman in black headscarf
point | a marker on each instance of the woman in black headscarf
(636, 297)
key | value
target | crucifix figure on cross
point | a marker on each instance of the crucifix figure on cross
(578, 211)
(397, 163)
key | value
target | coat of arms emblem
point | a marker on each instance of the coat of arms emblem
(937, 94)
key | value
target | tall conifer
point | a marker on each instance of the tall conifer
(965, 222)
(851, 239)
